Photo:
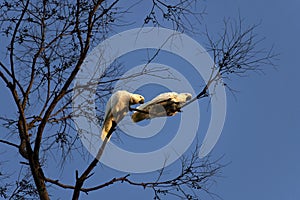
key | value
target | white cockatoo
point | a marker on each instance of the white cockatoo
(117, 107)
(165, 104)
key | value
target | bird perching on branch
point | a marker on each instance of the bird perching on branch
(165, 104)
(117, 107)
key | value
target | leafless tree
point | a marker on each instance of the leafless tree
(45, 44)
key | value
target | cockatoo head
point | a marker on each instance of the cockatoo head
(136, 98)
(183, 97)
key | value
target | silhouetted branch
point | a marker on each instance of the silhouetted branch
(237, 51)
(86, 174)
(178, 14)
(9, 143)
(195, 174)
(46, 44)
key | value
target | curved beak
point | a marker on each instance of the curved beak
(188, 98)
(141, 101)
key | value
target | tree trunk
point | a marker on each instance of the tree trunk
(37, 173)
(40, 181)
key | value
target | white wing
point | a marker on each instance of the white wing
(108, 117)
(116, 108)
(165, 104)
(158, 100)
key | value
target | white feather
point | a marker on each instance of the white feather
(165, 104)
(117, 107)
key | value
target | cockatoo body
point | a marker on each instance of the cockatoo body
(165, 104)
(117, 107)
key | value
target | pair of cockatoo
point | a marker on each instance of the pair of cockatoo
(165, 104)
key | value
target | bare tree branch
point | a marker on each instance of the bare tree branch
(67, 82)
(47, 42)
(194, 175)
(86, 174)
(9, 143)
(235, 52)
(12, 42)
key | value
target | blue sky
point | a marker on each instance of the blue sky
(261, 135)
(262, 132)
